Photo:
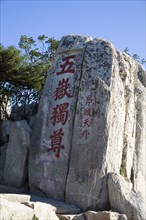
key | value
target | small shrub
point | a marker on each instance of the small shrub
(122, 171)
(35, 218)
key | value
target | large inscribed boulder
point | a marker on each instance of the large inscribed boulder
(88, 124)
(51, 141)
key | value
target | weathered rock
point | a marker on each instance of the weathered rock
(3, 151)
(106, 215)
(65, 217)
(87, 124)
(20, 198)
(5, 130)
(45, 211)
(71, 217)
(98, 129)
(79, 217)
(15, 169)
(61, 207)
(32, 121)
(8, 189)
(139, 160)
(128, 71)
(125, 200)
(20, 207)
(15, 211)
(59, 94)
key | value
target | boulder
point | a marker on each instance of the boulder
(51, 138)
(5, 130)
(45, 211)
(9, 189)
(123, 199)
(139, 159)
(71, 217)
(90, 122)
(106, 215)
(98, 127)
(15, 211)
(20, 198)
(15, 169)
(61, 207)
(3, 150)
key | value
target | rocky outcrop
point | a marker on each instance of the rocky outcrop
(90, 122)
(124, 200)
(91, 215)
(14, 206)
(16, 161)
(19, 207)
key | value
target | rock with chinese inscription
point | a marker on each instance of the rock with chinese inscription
(16, 161)
(89, 123)
(52, 137)
(98, 129)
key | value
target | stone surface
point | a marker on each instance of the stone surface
(15, 169)
(91, 215)
(8, 189)
(5, 130)
(44, 211)
(19, 207)
(66, 217)
(55, 121)
(91, 121)
(79, 217)
(125, 200)
(3, 151)
(71, 217)
(98, 128)
(15, 211)
(139, 161)
(20, 198)
(61, 207)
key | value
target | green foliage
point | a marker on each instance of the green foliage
(122, 171)
(35, 218)
(23, 71)
(135, 57)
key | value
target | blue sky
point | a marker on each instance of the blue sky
(121, 22)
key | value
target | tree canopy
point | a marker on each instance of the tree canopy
(23, 71)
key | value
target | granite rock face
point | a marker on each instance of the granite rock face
(52, 137)
(91, 215)
(16, 160)
(91, 121)
(124, 200)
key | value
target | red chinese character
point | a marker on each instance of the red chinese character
(61, 90)
(56, 140)
(85, 134)
(86, 122)
(60, 113)
(67, 66)
(88, 111)
(89, 100)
